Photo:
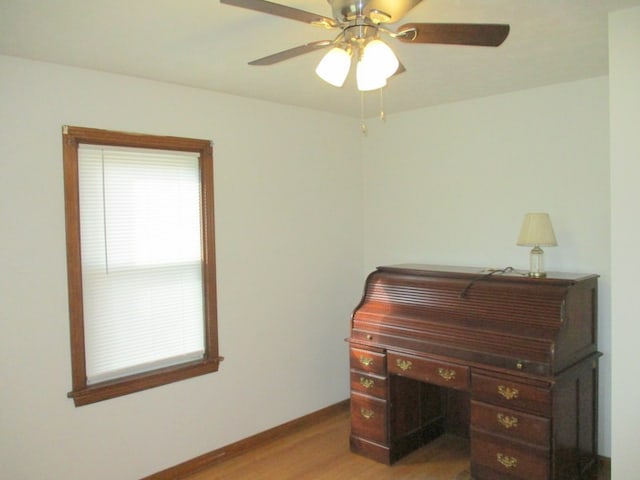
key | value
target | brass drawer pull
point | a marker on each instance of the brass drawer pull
(404, 365)
(447, 374)
(507, 421)
(366, 361)
(506, 461)
(366, 413)
(366, 382)
(508, 392)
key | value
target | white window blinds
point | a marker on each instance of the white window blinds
(141, 259)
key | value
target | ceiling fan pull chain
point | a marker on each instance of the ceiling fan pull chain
(363, 125)
(382, 116)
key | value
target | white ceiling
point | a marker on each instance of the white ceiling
(204, 44)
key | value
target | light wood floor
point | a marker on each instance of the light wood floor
(321, 452)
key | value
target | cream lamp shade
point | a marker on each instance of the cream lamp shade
(537, 232)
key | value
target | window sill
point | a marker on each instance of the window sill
(143, 381)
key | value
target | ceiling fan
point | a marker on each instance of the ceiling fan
(360, 24)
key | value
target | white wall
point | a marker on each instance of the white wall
(288, 218)
(624, 65)
(450, 185)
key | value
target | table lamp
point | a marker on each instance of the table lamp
(537, 231)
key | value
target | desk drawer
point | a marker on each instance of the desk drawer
(498, 458)
(511, 424)
(368, 361)
(511, 394)
(369, 384)
(369, 418)
(429, 370)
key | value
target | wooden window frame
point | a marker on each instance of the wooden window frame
(81, 392)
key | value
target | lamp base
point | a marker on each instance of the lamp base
(537, 274)
(536, 263)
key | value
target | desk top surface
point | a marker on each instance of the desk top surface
(475, 272)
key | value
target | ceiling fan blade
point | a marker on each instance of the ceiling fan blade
(292, 52)
(401, 69)
(283, 11)
(483, 35)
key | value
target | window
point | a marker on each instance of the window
(140, 259)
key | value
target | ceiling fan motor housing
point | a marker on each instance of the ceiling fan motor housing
(379, 11)
(359, 34)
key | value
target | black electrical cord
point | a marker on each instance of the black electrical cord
(463, 293)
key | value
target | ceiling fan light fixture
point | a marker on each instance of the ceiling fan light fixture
(378, 53)
(334, 66)
(360, 24)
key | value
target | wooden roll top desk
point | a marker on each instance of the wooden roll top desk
(507, 360)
